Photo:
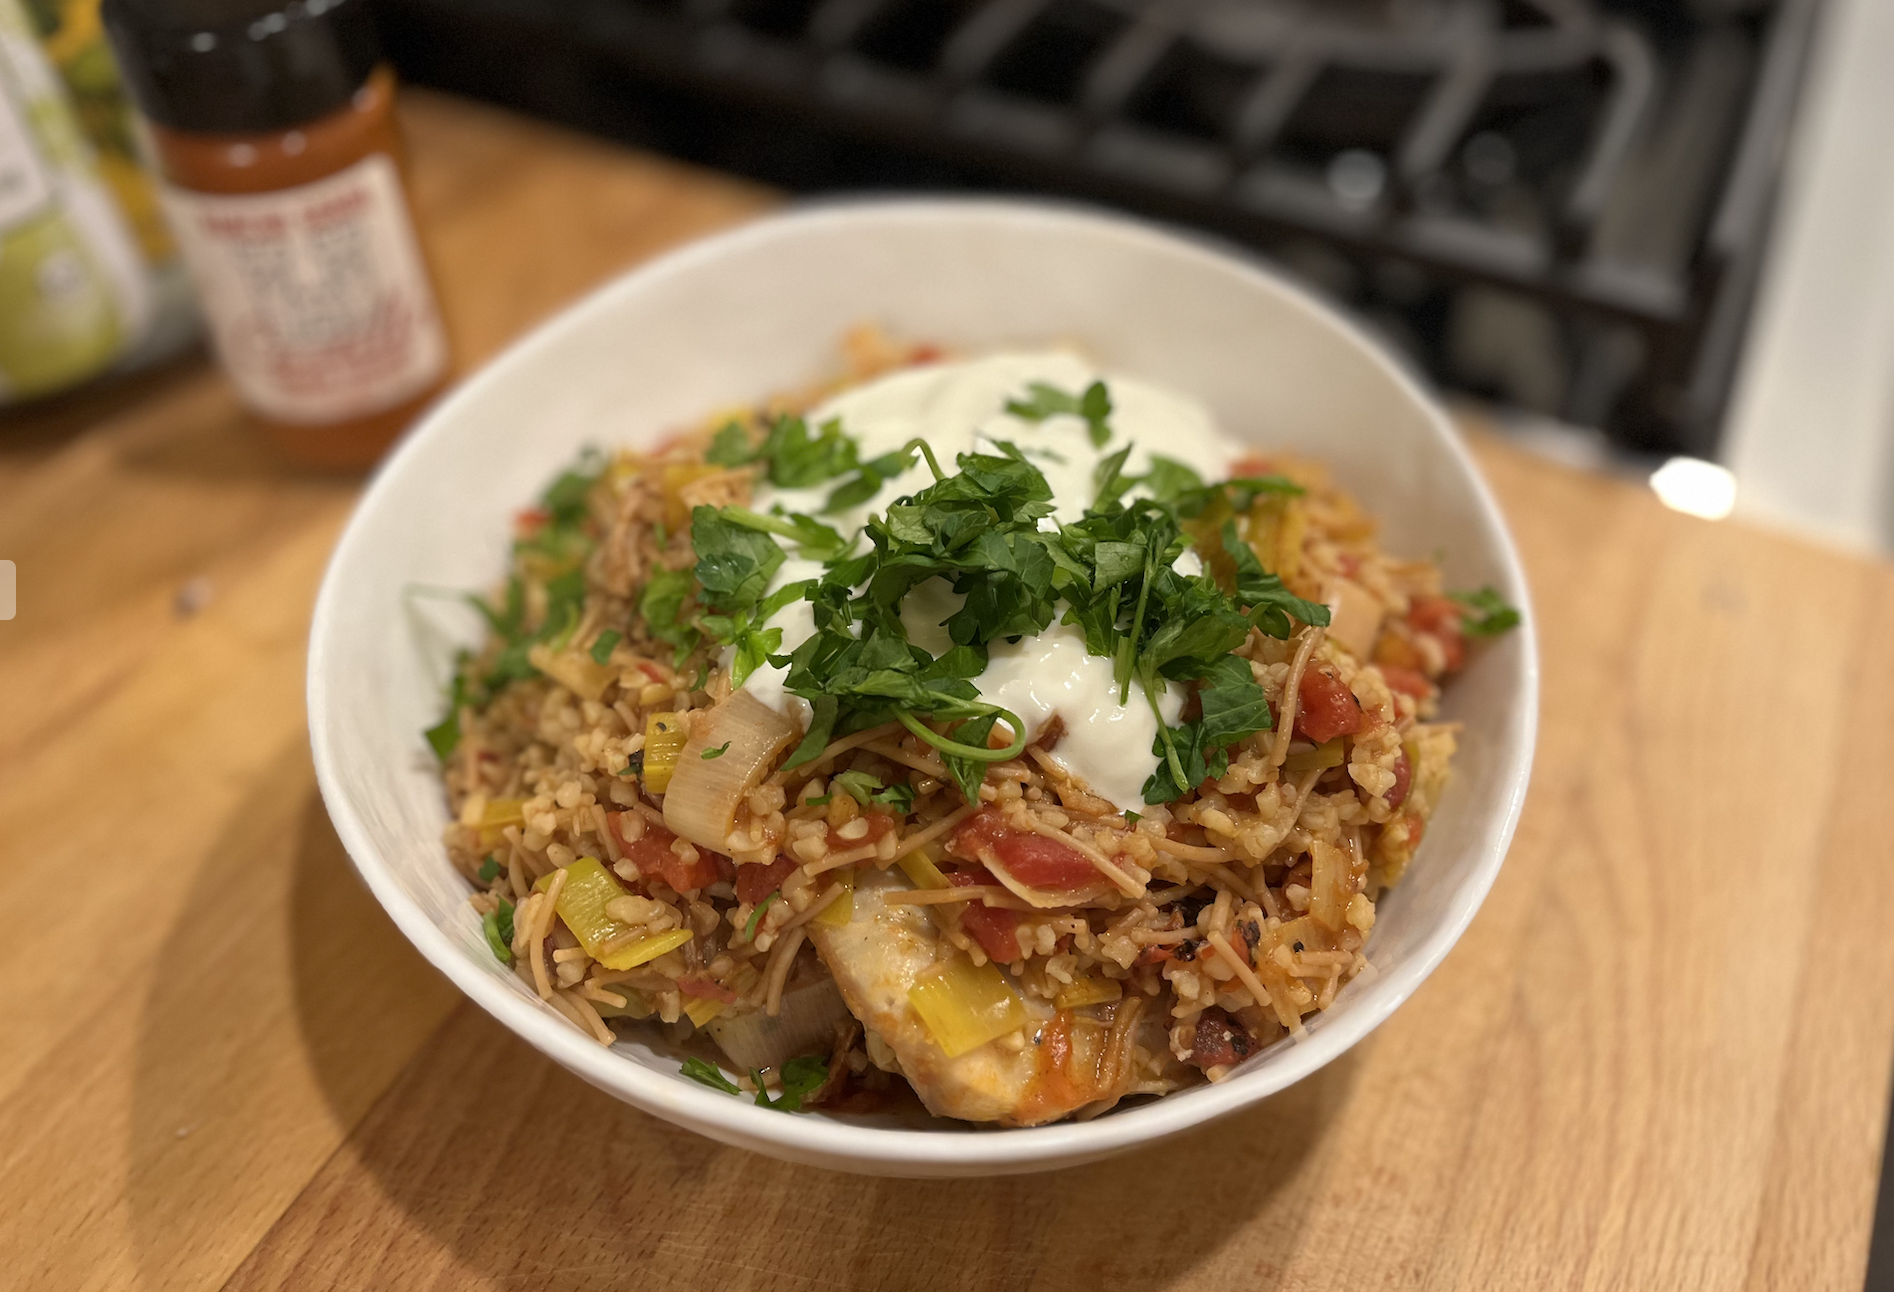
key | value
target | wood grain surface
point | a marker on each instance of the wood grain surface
(1659, 1059)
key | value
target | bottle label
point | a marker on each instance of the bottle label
(318, 301)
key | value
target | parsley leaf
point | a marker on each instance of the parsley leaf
(565, 498)
(734, 561)
(798, 1077)
(490, 869)
(710, 1075)
(1271, 605)
(799, 460)
(444, 736)
(1240, 494)
(731, 447)
(869, 479)
(497, 926)
(1044, 401)
(718, 752)
(1168, 479)
(1235, 707)
(869, 791)
(662, 605)
(1490, 616)
(602, 645)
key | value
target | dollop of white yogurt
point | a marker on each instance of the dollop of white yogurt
(961, 408)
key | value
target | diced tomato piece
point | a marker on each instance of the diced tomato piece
(1032, 859)
(1440, 618)
(651, 852)
(706, 989)
(978, 833)
(1220, 1040)
(879, 823)
(651, 670)
(755, 882)
(1416, 827)
(1250, 464)
(1408, 681)
(1403, 781)
(1153, 956)
(991, 926)
(1039, 862)
(529, 522)
(1325, 707)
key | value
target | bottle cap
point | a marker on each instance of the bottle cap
(241, 66)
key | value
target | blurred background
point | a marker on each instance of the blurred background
(1641, 230)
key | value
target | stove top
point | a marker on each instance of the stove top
(1558, 203)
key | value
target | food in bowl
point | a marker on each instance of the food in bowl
(992, 727)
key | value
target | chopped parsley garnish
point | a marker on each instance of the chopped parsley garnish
(602, 645)
(552, 553)
(444, 736)
(1109, 574)
(799, 1077)
(662, 605)
(634, 766)
(869, 791)
(793, 457)
(710, 1075)
(1489, 615)
(1132, 818)
(1043, 401)
(736, 557)
(718, 752)
(490, 869)
(497, 925)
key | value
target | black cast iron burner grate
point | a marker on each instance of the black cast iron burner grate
(1559, 202)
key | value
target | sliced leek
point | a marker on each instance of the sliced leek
(964, 1007)
(588, 887)
(921, 870)
(1330, 754)
(842, 909)
(701, 1009)
(1081, 992)
(575, 670)
(499, 814)
(635, 1006)
(663, 741)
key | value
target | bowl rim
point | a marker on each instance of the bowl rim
(952, 1148)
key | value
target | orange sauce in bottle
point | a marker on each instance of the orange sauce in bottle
(274, 132)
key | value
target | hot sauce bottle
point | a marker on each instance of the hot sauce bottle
(274, 134)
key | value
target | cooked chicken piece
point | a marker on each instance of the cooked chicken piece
(1059, 1062)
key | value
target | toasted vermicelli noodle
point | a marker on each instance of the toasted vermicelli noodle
(1205, 927)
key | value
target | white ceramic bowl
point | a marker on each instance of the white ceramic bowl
(737, 317)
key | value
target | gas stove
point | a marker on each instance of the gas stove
(1559, 204)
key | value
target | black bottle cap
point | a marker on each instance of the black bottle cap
(241, 66)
